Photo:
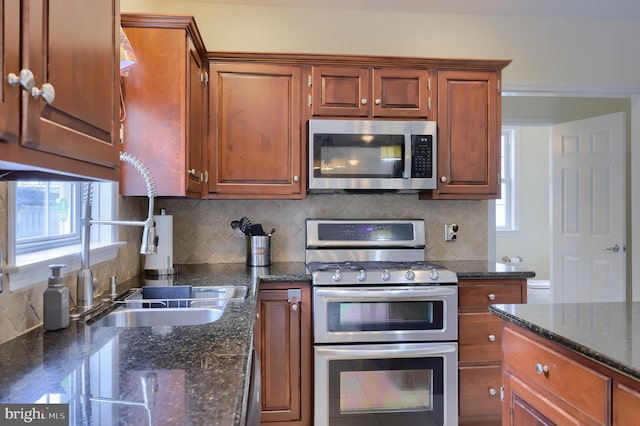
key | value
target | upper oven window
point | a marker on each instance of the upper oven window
(344, 316)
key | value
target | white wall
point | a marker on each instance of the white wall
(531, 242)
(573, 54)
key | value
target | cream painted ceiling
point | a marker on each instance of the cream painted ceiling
(592, 9)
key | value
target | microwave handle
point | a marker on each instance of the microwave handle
(407, 156)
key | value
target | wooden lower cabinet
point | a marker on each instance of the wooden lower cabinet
(545, 384)
(282, 340)
(480, 352)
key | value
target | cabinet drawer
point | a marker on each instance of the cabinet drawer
(586, 390)
(480, 337)
(480, 295)
(480, 391)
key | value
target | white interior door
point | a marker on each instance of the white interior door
(588, 210)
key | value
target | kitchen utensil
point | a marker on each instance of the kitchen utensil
(245, 223)
(235, 225)
(256, 230)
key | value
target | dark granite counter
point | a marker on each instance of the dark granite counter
(479, 269)
(605, 332)
(200, 371)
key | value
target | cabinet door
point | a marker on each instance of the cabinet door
(10, 60)
(468, 135)
(72, 46)
(340, 91)
(255, 143)
(401, 93)
(283, 343)
(626, 405)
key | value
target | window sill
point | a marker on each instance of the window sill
(31, 269)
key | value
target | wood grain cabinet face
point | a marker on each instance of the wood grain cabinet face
(282, 340)
(469, 126)
(255, 136)
(74, 131)
(480, 350)
(371, 92)
(165, 105)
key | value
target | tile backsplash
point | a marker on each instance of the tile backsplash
(202, 234)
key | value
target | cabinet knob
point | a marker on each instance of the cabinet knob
(443, 179)
(491, 296)
(378, 101)
(25, 79)
(192, 172)
(296, 178)
(48, 93)
(492, 392)
(363, 101)
(542, 369)
(492, 338)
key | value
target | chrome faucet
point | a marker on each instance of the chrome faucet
(149, 244)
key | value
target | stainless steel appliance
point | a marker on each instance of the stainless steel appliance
(385, 325)
(372, 155)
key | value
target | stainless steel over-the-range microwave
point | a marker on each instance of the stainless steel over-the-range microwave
(372, 155)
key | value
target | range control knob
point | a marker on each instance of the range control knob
(410, 275)
(434, 275)
(337, 276)
(361, 275)
(386, 275)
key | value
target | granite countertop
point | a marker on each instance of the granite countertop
(605, 332)
(479, 269)
(200, 370)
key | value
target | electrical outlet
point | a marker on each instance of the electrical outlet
(450, 232)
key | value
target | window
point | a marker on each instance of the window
(507, 207)
(47, 228)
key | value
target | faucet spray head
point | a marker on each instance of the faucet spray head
(149, 243)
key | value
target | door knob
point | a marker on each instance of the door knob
(615, 248)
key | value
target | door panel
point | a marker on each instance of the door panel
(588, 199)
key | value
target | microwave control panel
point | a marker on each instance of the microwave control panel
(422, 156)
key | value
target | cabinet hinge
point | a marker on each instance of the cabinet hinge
(205, 77)
(309, 101)
(206, 176)
(429, 102)
(498, 86)
(309, 80)
(429, 84)
(501, 393)
(121, 133)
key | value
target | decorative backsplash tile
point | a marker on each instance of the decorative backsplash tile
(202, 231)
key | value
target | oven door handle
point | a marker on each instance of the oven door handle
(395, 350)
(384, 294)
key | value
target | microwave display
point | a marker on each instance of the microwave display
(372, 155)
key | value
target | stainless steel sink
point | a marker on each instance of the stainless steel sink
(171, 306)
(150, 317)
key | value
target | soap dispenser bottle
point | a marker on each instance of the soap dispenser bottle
(56, 301)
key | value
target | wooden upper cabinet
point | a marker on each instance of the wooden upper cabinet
(165, 105)
(66, 124)
(370, 92)
(469, 123)
(255, 135)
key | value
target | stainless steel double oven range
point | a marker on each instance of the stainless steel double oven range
(385, 326)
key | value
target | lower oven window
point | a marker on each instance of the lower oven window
(385, 316)
(398, 391)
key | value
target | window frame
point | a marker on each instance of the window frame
(29, 269)
(510, 179)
